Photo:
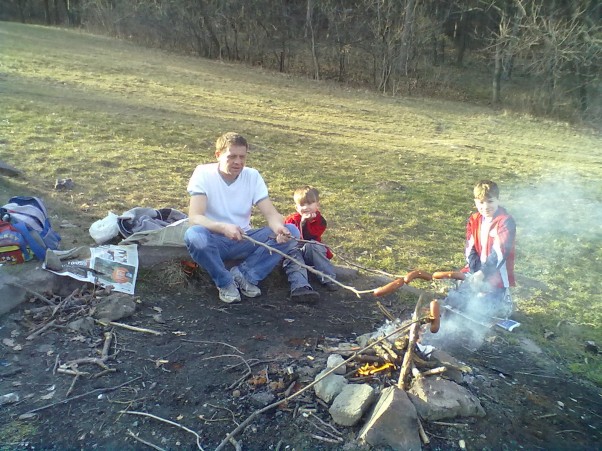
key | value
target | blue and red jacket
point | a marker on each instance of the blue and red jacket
(499, 249)
(311, 229)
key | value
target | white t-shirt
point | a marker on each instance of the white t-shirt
(228, 203)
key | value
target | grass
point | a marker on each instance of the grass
(129, 125)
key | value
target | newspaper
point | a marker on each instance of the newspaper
(110, 265)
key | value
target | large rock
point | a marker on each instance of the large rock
(438, 399)
(393, 422)
(115, 307)
(19, 282)
(329, 387)
(351, 404)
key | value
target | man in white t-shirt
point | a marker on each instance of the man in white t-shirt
(222, 197)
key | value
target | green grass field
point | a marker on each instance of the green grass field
(129, 125)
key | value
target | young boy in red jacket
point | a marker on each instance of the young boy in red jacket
(489, 251)
(312, 225)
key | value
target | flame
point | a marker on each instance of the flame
(368, 369)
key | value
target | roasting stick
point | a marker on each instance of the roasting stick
(339, 256)
(358, 293)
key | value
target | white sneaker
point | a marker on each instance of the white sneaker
(245, 287)
(229, 294)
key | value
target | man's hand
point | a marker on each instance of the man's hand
(233, 232)
(283, 235)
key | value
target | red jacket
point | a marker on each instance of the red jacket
(312, 229)
(499, 249)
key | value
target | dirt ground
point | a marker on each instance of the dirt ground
(195, 374)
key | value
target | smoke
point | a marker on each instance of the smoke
(559, 229)
(560, 205)
(466, 326)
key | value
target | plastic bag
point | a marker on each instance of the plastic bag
(105, 229)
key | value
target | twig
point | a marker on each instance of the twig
(135, 437)
(336, 434)
(438, 370)
(308, 386)
(75, 379)
(422, 434)
(214, 343)
(128, 327)
(35, 293)
(228, 355)
(386, 312)
(93, 392)
(326, 439)
(443, 423)
(41, 330)
(413, 337)
(358, 293)
(173, 423)
(64, 301)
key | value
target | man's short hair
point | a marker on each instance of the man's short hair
(230, 139)
(306, 195)
(486, 189)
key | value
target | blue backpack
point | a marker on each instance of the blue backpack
(29, 218)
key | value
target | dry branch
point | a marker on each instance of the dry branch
(128, 327)
(407, 358)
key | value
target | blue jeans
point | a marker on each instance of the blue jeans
(210, 250)
(312, 255)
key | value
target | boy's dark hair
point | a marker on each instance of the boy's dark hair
(486, 189)
(306, 195)
(230, 139)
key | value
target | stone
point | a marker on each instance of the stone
(329, 387)
(350, 405)
(439, 399)
(115, 307)
(333, 361)
(393, 422)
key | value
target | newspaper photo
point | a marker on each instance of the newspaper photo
(111, 265)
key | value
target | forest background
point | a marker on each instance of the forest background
(538, 56)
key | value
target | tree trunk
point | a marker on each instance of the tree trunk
(309, 26)
(497, 74)
(406, 37)
(47, 17)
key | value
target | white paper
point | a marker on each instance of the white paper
(110, 265)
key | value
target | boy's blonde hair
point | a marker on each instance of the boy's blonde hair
(486, 189)
(230, 139)
(306, 195)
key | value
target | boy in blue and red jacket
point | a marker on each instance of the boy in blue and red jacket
(311, 225)
(489, 251)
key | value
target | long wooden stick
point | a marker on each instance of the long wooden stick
(413, 337)
(358, 293)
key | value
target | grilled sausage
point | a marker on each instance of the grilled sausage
(389, 288)
(417, 274)
(435, 316)
(457, 275)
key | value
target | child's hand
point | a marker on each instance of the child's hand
(307, 216)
